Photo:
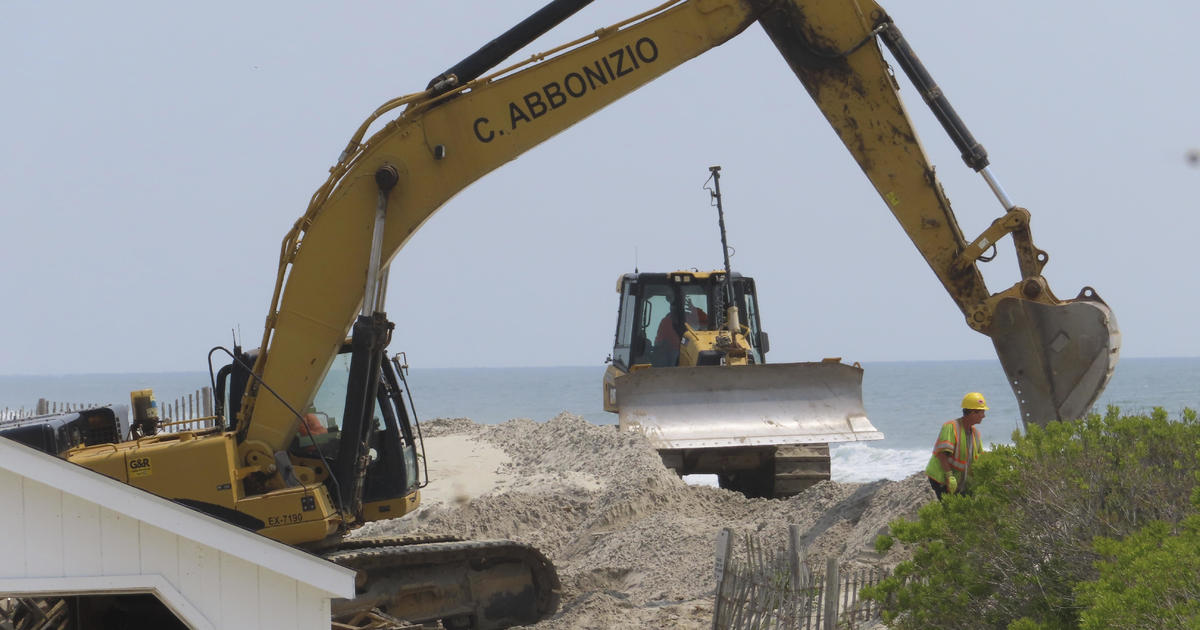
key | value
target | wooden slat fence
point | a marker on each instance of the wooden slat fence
(14, 414)
(42, 408)
(193, 412)
(768, 588)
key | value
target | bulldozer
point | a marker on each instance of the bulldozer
(689, 371)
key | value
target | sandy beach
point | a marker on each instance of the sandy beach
(633, 543)
(461, 468)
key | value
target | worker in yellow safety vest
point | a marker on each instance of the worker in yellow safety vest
(957, 447)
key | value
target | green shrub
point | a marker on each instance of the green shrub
(1012, 553)
(1151, 580)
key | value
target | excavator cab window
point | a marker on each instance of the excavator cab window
(321, 428)
(330, 400)
(391, 454)
(392, 472)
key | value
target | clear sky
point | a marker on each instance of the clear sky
(155, 154)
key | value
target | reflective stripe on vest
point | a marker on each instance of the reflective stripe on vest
(958, 460)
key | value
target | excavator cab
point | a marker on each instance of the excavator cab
(391, 473)
(385, 438)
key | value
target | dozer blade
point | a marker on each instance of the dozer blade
(1058, 358)
(745, 405)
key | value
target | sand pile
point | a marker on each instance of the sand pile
(633, 542)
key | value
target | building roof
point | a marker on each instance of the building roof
(21, 460)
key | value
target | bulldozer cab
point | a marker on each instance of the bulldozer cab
(657, 309)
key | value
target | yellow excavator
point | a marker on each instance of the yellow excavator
(688, 370)
(256, 472)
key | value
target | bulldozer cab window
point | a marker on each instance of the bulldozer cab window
(750, 307)
(659, 342)
(663, 310)
(694, 310)
(622, 348)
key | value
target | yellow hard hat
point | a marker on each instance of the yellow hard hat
(974, 400)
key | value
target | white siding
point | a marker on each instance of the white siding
(43, 530)
(57, 537)
(12, 525)
(312, 609)
(159, 552)
(118, 544)
(81, 537)
(239, 593)
(276, 601)
(200, 577)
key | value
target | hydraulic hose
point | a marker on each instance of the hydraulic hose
(506, 44)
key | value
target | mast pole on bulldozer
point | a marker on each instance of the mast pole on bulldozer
(731, 311)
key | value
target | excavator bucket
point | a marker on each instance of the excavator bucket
(1058, 358)
(745, 405)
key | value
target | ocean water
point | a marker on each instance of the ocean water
(907, 401)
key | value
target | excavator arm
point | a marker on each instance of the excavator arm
(460, 128)
(1058, 355)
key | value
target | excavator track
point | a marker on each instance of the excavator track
(480, 585)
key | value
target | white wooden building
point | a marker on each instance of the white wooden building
(69, 531)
